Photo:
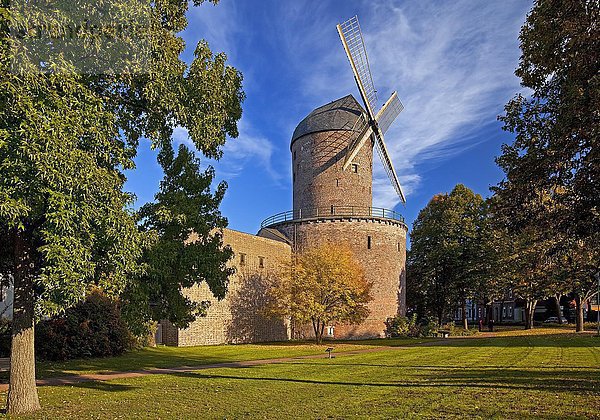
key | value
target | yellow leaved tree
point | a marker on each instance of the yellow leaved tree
(323, 285)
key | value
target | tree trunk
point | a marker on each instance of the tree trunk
(22, 391)
(465, 321)
(530, 311)
(579, 316)
(318, 329)
(557, 305)
(488, 313)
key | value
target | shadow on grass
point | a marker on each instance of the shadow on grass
(169, 357)
(104, 386)
(326, 362)
(562, 381)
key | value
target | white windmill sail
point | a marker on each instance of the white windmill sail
(375, 125)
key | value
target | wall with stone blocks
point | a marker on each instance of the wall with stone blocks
(384, 263)
(238, 318)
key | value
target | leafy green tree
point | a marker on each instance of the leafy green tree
(324, 285)
(443, 264)
(428, 275)
(68, 130)
(188, 249)
(552, 184)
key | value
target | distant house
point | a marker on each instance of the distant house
(6, 299)
(508, 309)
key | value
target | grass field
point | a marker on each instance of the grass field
(549, 374)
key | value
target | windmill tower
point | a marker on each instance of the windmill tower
(332, 166)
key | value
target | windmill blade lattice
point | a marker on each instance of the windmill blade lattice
(352, 40)
(389, 112)
(357, 54)
(389, 168)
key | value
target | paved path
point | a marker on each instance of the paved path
(108, 376)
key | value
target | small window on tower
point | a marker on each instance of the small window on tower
(294, 155)
(355, 168)
(242, 259)
(398, 246)
(368, 242)
(261, 262)
(337, 182)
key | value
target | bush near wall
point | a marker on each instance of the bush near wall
(93, 328)
(401, 326)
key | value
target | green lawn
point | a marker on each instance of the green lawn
(551, 375)
(165, 357)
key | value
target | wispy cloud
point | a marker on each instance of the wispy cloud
(451, 62)
(454, 71)
(248, 150)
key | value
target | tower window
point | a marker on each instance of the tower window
(294, 155)
(354, 167)
(368, 242)
(242, 259)
(398, 246)
(337, 182)
(261, 262)
(332, 209)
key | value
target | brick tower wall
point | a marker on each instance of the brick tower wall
(318, 178)
(384, 263)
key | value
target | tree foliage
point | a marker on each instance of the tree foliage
(324, 285)
(550, 196)
(444, 262)
(185, 221)
(70, 124)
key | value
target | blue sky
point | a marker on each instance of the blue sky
(452, 63)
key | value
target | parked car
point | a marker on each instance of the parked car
(554, 320)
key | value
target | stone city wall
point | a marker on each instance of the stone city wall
(238, 318)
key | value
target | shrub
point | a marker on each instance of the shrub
(91, 328)
(459, 331)
(401, 326)
(5, 337)
(398, 326)
(428, 327)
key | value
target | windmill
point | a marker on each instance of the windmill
(370, 126)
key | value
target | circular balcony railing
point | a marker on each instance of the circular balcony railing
(333, 211)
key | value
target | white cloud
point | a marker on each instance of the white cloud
(248, 149)
(453, 70)
(452, 64)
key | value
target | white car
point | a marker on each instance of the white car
(554, 320)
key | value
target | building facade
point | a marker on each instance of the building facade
(239, 317)
(330, 205)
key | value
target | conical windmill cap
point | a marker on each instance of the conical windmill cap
(340, 114)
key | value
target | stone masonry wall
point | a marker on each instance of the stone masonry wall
(238, 318)
(384, 263)
(318, 178)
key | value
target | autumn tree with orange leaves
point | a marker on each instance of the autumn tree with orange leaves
(323, 285)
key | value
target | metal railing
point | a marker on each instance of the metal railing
(333, 211)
